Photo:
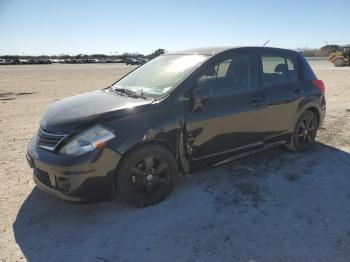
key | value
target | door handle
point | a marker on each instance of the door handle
(256, 103)
(297, 92)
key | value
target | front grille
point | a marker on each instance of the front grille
(42, 176)
(49, 140)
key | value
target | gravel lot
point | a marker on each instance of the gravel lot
(273, 206)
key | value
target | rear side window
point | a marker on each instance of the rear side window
(292, 65)
(275, 70)
(232, 75)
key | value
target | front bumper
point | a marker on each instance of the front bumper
(89, 177)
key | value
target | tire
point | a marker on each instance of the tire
(146, 176)
(304, 133)
(339, 62)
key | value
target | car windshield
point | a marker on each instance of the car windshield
(160, 75)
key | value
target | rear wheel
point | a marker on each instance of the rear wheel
(339, 62)
(147, 176)
(304, 133)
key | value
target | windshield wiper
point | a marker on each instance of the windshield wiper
(129, 92)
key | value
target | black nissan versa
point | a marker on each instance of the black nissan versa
(178, 112)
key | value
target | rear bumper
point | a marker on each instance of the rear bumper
(78, 179)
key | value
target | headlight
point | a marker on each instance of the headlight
(87, 141)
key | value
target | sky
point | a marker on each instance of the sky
(36, 27)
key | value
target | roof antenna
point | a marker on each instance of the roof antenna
(266, 43)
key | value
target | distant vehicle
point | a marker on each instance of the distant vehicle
(15, 61)
(82, 61)
(180, 111)
(142, 60)
(42, 61)
(5, 62)
(71, 61)
(54, 60)
(93, 60)
(134, 61)
(112, 60)
(340, 58)
(24, 61)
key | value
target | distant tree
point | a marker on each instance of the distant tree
(63, 56)
(156, 53)
(130, 55)
(99, 56)
(159, 51)
(81, 56)
(331, 48)
(308, 52)
(324, 51)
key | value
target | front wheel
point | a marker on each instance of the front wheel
(339, 62)
(305, 131)
(146, 176)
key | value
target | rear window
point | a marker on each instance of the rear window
(274, 70)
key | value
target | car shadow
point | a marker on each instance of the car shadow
(255, 208)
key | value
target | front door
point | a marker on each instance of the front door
(230, 119)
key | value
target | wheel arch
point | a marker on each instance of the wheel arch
(315, 111)
(174, 147)
(141, 144)
(309, 105)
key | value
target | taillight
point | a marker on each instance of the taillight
(319, 84)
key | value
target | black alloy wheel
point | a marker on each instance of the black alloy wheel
(147, 176)
(304, 133)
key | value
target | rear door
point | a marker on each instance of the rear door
(231, 118)
(283, 92)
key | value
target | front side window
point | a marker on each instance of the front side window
(214, 73)
(160, 75)
(232, 75)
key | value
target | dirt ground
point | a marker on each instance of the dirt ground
(273, 206)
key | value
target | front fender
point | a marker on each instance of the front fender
(163, 125)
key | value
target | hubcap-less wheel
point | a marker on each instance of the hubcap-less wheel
(339, 62)
(146, 176)
(304, 132)
(150, 177)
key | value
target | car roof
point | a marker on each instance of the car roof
(201, 50)
(211, 51)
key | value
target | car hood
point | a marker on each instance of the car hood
(74, 112)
